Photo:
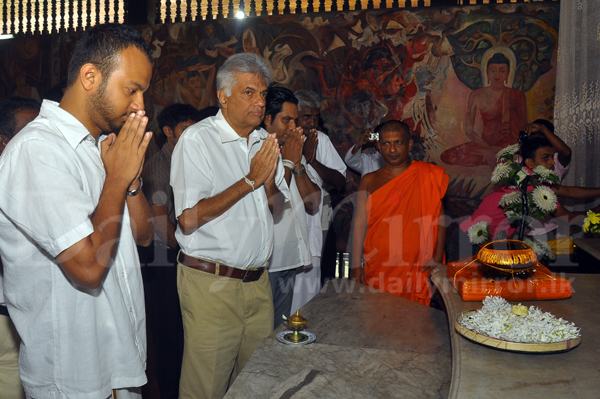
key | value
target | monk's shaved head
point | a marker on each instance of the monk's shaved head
(395, 126)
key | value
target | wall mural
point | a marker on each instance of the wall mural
(464, 78)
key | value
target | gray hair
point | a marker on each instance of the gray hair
(242, 63)
(308, 99)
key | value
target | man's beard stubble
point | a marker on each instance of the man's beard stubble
(101, 109)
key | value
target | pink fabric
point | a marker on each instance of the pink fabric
(489, 211)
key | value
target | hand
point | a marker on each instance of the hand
(292, 149)
(535, 128)
(364, 138)
(136, 181)
(357, 274)
(123, 155)
(310, 146)
(264, 162)
(430, 265)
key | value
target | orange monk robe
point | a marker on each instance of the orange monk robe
(402, 231)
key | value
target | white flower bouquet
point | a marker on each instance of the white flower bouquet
(541, 200)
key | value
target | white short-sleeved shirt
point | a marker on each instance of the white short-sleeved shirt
(328, 156)
(209, 158)
(291, 245)
(364, 163)
(76, 343)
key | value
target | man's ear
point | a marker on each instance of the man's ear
(222, 98)
(168, 131)
(89, 76)
(410, 144)
(267, 120)
(530, 164)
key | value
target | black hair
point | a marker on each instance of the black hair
(176, 113)
(394, 125)
(204, 113)
(276, 96)
(530, 146)
(498, 58)
(546, 123)
(9, 106)
(101, 46)
(56, 92)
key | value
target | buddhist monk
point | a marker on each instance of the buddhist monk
(398, 227)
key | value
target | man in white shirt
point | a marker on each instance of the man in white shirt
(15, 114)
(364, 161)
(226, 176)
(72, 214)
(291, 247)
(327, 167)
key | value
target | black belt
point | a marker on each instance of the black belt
(4, 311)
(226, 271)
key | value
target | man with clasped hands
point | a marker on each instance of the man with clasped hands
(72, 214)
(226, 178)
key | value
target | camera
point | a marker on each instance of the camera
(523, 135)
(374, 136)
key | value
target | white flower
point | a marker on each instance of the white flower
(544, 173)
(544, 198)
(520, 176)
(510, 199)
(500, 171)
(479, 233)
(510, 150)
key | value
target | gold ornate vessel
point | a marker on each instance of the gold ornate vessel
(512, 257)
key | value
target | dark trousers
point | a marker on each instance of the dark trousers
(164, 321)
(282, 287)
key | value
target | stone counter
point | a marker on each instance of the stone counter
(482, 372)
(369, 344)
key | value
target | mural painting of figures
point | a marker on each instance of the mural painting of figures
(196, 90)
(465, 79)
(502, 109)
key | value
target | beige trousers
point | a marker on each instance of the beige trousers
(10, 383)
(224, 320)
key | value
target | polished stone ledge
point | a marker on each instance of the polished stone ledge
(369, 344)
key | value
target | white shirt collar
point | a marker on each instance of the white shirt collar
(227, 133)
(70, 127)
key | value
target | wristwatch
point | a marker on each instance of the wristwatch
(301, 171)
(137, 190)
